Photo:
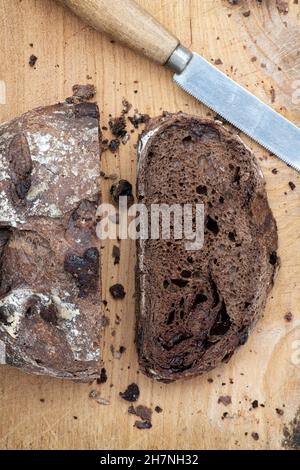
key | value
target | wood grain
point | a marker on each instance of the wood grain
(128, 23)
(266, 368)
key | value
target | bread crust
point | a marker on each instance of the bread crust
(188, 328)
(50, 290)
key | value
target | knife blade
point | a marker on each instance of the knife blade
(242, 109)
(130, 24)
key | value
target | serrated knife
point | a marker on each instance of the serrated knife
(129, 23)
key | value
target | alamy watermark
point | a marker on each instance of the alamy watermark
(157, 221)
(2, 92)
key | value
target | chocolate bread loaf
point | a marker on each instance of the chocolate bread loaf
(50, 291)
(195, 308)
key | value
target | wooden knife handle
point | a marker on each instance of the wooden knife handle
(128, 23)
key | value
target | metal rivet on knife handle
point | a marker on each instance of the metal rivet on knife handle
(179, 59)
(128, 23)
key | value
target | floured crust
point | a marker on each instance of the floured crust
(50, 291)
(195, 308)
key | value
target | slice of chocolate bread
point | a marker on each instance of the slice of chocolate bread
(50, 292)
(195, 308)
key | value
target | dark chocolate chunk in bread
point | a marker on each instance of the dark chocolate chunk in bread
(195, 308)
(50, 292)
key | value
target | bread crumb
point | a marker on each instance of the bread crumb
(84, 92)
(288, 317)
(282, 6)
(292, 185)
(94, 395)
(225, 400)
(33, 60)
(131, 394)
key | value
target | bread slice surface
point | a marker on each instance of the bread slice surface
(195, 308)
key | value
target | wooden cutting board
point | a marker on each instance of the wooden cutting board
(261, 51)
